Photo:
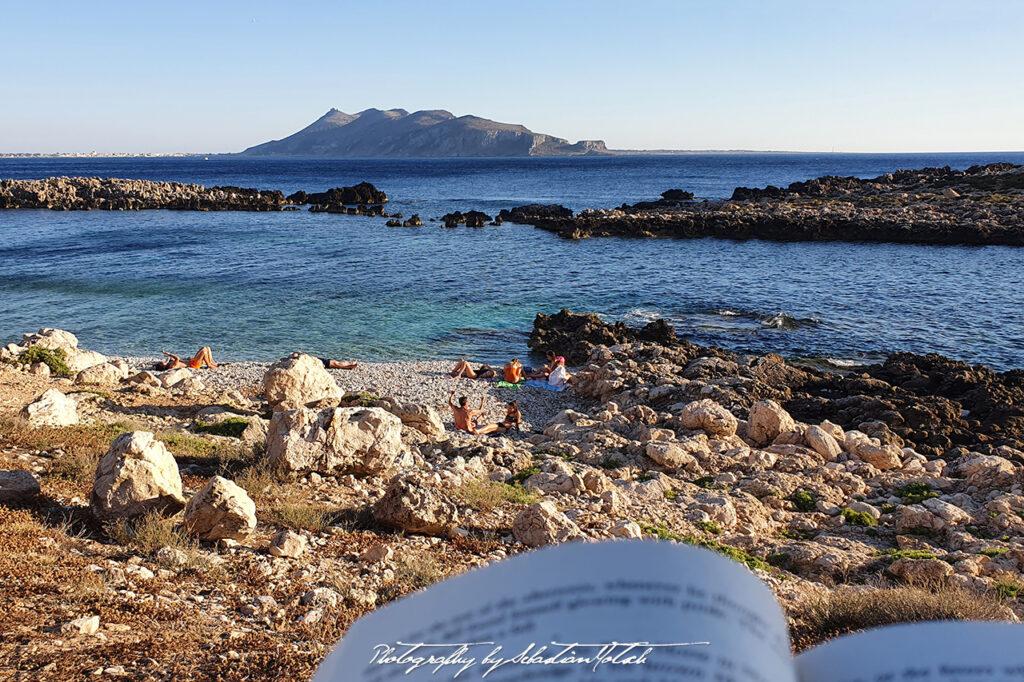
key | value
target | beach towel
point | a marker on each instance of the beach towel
(540, 383)
(509, 385)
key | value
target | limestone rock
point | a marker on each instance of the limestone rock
(146, 378)
(86, 625)
(542, 524)
(53, 339)
(882, 456)
(377, 553)
(107, 373)
(921, 570)
(52, 408)
(989, 471)
(172, 377)
(17, 485)
(421, 417)
(84, 359)
(410, 505)
(336, 440)
(767, 420)
(138, 474)
(39, 369)
(323, 597)
(287, 543)
(710, 417)
(626, 529)
(220, 510)
(296, 381)
(670, 455)
(822, 442)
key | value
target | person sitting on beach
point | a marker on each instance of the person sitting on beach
(559, 375)
(513, 417)
(513, 371)
(338, 364)
(465, 418)
(202, 357)
(462, 368)
(543, 372)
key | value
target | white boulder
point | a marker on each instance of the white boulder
(221, 510)
(52, 408)
(542, 524)
(336, 440)
(767, 420)
(296, 381)
(137, 475)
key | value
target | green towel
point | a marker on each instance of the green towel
(509, 385)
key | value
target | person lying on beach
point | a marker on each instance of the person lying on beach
(513, 371)
(202, 357)
(465, 418)
(513, 417)
(543, 372)
(462, 368)
(338, 364)
(559, 375)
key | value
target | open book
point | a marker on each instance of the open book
(642, 611)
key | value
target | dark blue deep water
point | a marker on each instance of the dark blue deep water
(258, 285)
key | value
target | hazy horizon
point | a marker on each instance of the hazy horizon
(875, 77)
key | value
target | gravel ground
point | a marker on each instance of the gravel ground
(422, 382)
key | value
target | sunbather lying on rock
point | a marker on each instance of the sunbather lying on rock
(465, 418)
(462, 368)
(202, 357)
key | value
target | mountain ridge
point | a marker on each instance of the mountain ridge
(426, 133)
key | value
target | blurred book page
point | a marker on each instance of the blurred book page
(642, 611)
(922, 652)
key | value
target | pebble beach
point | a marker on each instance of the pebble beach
(425, 381)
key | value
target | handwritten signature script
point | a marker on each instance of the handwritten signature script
(460, 656)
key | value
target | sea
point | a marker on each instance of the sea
(256, 286)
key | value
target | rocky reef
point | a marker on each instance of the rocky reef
(115, 194)
(983, 205)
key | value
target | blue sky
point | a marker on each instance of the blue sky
(217, 76)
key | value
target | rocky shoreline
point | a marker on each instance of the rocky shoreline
(263, 524)
(115, 194)
(983, 205)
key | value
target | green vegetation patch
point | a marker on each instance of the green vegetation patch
(803, 500)
(855, 518)
(55, 359)
(523, 475)
(916, 493)
(233, 427)
(894, 554)
(663, 533)
(994, 551)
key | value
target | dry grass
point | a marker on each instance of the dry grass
(845, 610)
(413, 571)
(148, 533)
(90, 439)
(486, 495)
(300, 516)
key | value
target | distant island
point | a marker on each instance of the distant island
(435, 133)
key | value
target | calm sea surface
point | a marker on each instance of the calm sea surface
(259, 285)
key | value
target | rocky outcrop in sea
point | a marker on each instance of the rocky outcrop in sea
(115, 194)
(983, 205)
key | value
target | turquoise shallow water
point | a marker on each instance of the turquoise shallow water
(256, 286)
